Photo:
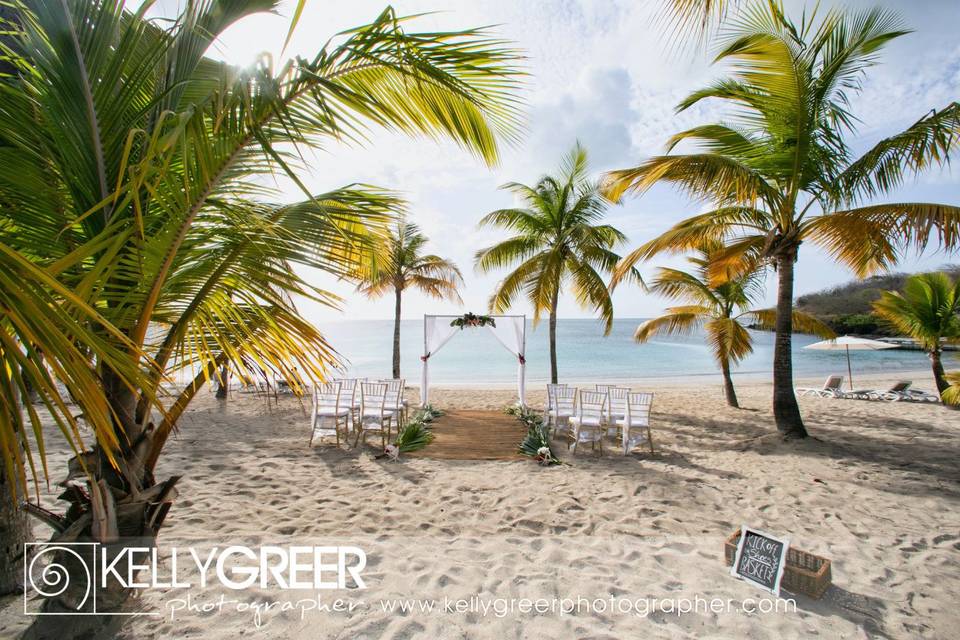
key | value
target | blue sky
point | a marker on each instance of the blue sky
(602, 74)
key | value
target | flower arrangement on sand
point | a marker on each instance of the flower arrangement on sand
(414, 436)
(536, 444)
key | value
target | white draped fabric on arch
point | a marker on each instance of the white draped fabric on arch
(510, 331)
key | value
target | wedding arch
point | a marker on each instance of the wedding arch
(510, 331)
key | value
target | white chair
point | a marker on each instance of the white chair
(351, 394)
(617, 408)
(375, 416)
(328, 409)
(561, 407)
(551, 400)
(590, 419)
(832, 388)
(395, 399)
(635, 425)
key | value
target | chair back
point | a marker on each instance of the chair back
(325, 396)
(373, 398)
(394, 395)
(552, 394)
(347, 384)
(593, 405)
(638, 408)
(833, 383)
(618, 399)
(602, 388)
(393, 384)
(564, 396)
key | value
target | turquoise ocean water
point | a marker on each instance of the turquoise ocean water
(583, 353)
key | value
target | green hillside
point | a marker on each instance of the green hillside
(847, 307)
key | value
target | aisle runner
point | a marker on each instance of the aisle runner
(475, 435)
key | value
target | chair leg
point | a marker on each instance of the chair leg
(313, 431)
(650, 439)
(356, 440)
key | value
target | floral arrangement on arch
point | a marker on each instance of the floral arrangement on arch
(472, 320)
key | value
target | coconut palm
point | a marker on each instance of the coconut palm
(558, 240)
(404, 266)
(721, 310)
(780, 171)
(130, 186)
(926, 310)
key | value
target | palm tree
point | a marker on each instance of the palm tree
(130, 198)
(927, 310)
(405, 267)
(719, 309)
(558, 239)
(780, 171)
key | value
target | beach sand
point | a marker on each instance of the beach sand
(875, 490)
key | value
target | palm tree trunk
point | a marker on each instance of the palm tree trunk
(728, 391)
(553, 338)
(786, 411)
(223, 383)
(938, 373)
(15, 532)
(398, 292)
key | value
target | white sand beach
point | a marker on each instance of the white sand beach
(875, 490)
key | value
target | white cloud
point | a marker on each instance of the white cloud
(599, 72)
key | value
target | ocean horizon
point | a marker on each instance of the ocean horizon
(583, 353)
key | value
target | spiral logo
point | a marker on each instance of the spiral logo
(54, 569)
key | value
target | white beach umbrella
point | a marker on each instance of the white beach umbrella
(848, 344)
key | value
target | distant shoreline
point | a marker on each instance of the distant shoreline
(921, 378)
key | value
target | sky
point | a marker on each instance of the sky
(601, 72)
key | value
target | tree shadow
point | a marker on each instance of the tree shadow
(867, 612)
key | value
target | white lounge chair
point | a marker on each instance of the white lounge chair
(902, 392)
(832, 388)
(916, 395)
(590, 419)
(892, 394)
(329, 410)
(635, 425)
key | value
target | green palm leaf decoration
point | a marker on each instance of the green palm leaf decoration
(779, 171)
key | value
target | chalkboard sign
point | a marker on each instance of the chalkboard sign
(761, 559)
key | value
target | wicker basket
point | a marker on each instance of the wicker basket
(805, 573)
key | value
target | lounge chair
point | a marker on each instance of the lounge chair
(894, 393)
(916, 395)
(832, 388)
(909, 395)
